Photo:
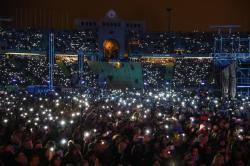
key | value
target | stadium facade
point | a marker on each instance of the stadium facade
(112, 33)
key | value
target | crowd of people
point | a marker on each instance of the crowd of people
(193, 72)
(35, 40)
(22, 71)
(22, 40)
(69, 41)
(124, 127)
(161, 125)
(197, 43)
(31, 70)
(168, 122)
(154, 75)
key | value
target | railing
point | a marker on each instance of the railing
(232, 56)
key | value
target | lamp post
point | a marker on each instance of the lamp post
(169, 19)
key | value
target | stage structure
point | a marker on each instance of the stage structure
(232, 56)
(51, 61)
(220, 28)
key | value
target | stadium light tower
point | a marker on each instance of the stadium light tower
(51, 61)
(169, 19)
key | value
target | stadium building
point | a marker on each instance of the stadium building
(112, 32)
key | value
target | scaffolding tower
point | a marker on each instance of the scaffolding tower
(230, 49)
(51, 61)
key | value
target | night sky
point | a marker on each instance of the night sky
(188, 15)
